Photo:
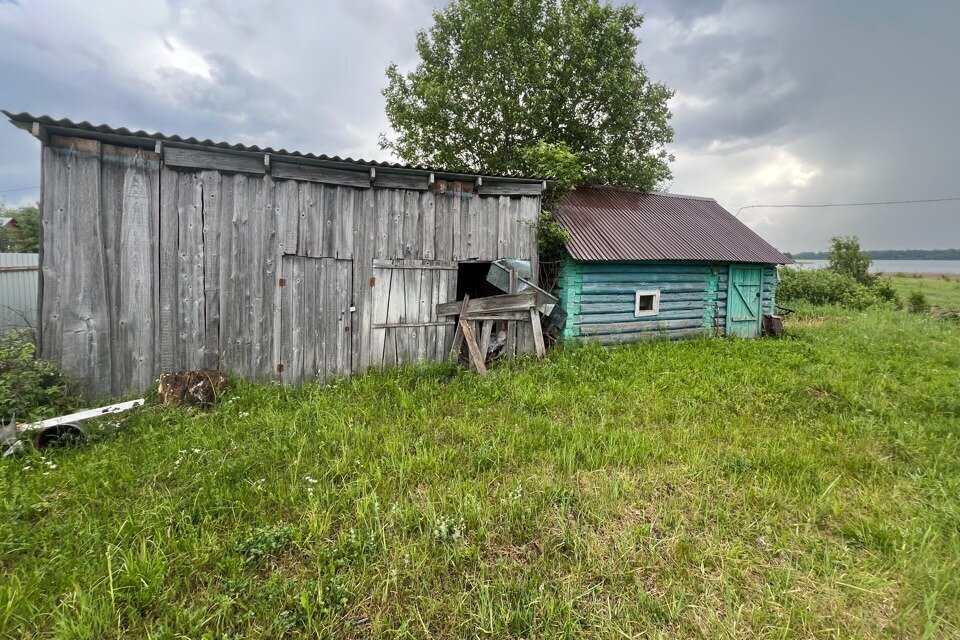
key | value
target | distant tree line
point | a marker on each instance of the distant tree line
(890, 254)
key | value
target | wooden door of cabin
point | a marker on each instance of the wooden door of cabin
(404, 323)
(744, 293)
(316, 298)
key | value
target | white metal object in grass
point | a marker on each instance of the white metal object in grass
(61, 426)
(82, 415)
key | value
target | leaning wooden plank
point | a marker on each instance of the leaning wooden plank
(220, 160)
(537, 333)
(509, 189)
(472, 348)
(506, 302)
(310, 173)
(454, 353)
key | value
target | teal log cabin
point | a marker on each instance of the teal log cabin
(645, 265)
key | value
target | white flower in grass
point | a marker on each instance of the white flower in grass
(244, 414)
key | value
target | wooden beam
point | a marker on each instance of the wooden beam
(507, 302)
(218, 160)
(509, 189)
(444, 265)
(500, 316)
(402, 181)
(308, 173)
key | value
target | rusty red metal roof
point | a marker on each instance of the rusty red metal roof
(615, 223)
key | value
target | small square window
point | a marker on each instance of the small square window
(647, 303)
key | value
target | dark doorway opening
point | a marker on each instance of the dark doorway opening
(472, 280)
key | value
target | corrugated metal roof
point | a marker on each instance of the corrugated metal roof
(613, 223)
(25, 121)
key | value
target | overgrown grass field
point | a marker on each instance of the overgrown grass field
(941, 290)
(792, 488)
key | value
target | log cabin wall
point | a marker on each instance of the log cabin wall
(165, 259)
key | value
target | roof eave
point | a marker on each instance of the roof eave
(43, 131)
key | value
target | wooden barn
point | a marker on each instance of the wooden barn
(648, 265)
(161, 253)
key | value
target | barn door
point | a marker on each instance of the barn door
(315, 318)
(404, 323)
(744, 300)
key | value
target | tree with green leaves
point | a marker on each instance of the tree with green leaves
(25, 236)
(847, 258)
(497, 78)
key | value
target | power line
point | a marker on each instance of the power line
(842, 204)
(19, 189)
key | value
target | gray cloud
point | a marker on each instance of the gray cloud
(776, 101)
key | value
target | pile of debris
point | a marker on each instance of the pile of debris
(518, 310)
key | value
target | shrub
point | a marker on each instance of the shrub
(917, 302)
(826, 286)
(883, 287)
(847, 258)
(31, 388)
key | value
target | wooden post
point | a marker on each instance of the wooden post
(485, 338)
(537, 332)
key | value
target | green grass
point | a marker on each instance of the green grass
(941, 290)
(793, 488)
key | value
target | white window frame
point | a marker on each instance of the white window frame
(641, 313)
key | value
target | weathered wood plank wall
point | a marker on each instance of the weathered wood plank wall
(99, 307)
(153, 266)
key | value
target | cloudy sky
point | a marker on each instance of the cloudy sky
(783, 102)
